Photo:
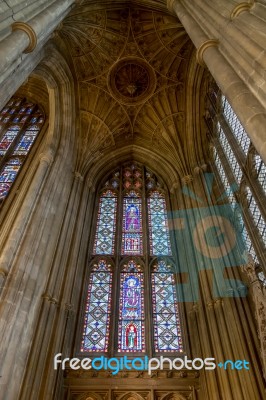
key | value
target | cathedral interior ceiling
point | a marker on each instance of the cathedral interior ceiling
(130, 63)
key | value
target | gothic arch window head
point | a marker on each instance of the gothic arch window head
(20, 124)
(132, 230)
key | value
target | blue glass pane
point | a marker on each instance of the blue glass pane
(7, 140)
(25, 143)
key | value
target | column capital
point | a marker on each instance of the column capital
(22, 26)
(204, 46)
(239, 8)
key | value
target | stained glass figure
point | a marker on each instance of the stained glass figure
(167, 330)
(98, 306)
(131, 310)
(158, 225)
(132, 224)
(106, 224)
(18, 136)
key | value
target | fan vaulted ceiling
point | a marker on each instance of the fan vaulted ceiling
(132, 66)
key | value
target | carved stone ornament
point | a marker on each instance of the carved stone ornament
(132, 81)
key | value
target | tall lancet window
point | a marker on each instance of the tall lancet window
(131, 297)
(20, 123)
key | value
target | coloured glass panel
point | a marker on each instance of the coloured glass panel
(26, 141)
(131, 310)
(20, 123)
(132, 224)
(8, 175)
(106, 224)
(158, 225)
(7, 139)
(98, 306)
(167, 330)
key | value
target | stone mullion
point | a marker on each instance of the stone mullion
(248, 108)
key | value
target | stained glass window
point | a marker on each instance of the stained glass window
(132, 224)
(158, 225)
(130, 197)
(106, 224)
(167, 330)
(98, 306)
(131, 310)
(20, 123)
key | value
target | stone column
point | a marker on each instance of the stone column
(26, 36)
(250, 111)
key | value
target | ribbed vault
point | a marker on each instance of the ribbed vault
(132, 65)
